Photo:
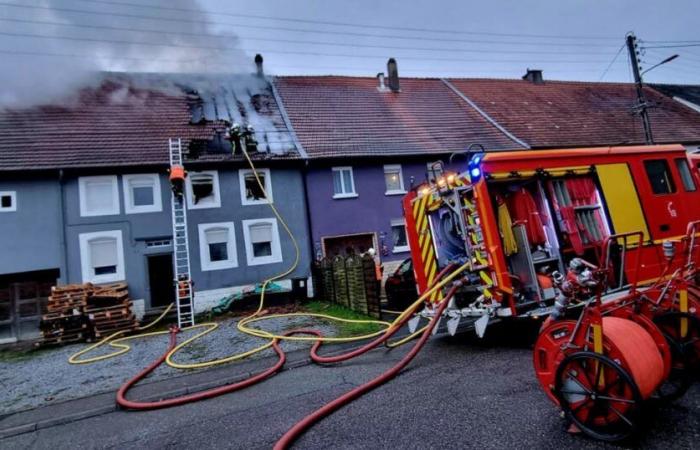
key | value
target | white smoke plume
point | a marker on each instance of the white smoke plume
(51, 48)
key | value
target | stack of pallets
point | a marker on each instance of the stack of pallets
(65, 321)
(84, 312)
(109, 310)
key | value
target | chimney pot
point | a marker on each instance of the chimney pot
(534, 76)
(259, 64)
(393, 72)
(381, 85)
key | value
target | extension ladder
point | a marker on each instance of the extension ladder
(474, 241)
(184, 294)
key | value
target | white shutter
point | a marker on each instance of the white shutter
(217, 236)
(98, 196)
(103, 252)
(261, 233)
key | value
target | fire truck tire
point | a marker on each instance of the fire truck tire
(689, 344)
(606, 410)
(679, 379)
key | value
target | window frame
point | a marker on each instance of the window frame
(403, 248)
(205, 262)
(129, 207)
(13, 201)
(688, 171)
(276, 245)
(344, 194)
(83, 190)
(393, 168)
(216, 203)
(672, 188)
(86, 268)
(429, 168)
(268, 186)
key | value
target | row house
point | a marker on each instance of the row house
(86, 197)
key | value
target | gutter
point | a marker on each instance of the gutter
(483, 114)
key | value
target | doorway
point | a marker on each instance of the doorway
(348, 245)
(161, 279)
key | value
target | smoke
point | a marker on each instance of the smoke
(51, 48)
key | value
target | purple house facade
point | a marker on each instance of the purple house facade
(367, 143)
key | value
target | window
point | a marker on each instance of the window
(686, 177)
(399, 237)
(217, 246)
(8, 201)
(142, 193)
(99, 196)
(393, 177)
(102, 256)
(203, 190)
(435, 170)
(343, 183)
(660, 176)
(262, 241)
(251, 194)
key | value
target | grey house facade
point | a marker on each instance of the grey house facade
(86, 195)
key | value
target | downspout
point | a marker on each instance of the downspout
(64, 276)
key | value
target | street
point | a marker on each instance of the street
(458, 393)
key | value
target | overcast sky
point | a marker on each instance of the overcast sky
(49, 46)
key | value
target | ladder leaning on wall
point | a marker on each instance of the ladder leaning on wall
(184, 293)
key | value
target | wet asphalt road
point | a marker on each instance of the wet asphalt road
(458, 393)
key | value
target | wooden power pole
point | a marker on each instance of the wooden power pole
(642, 106)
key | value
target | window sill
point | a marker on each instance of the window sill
(255, 202)
(204, 205)
(264, 260)
(219, 265)
(401, 249)
(337, 196)
(143, 209)
(388, 193)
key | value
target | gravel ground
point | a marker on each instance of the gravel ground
(46, 376)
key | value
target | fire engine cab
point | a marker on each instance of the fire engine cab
(521, 217)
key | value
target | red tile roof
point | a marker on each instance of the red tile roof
(108, 126)
(565, 114)
(347, 116)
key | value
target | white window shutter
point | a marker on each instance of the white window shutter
(103, 252)
(217, 236)
(99, 196)
(261, 233)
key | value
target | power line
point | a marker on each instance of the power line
(207, 22)
(672, 46)
(611, 62)
(289, 41)
(289, 52)
(345, 24)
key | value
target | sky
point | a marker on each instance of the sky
(48, 47)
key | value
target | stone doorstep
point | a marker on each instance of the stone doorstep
(41, 417)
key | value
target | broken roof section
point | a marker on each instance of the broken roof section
(335, 116)
(127, 120)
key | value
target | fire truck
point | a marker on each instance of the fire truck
(603, 241)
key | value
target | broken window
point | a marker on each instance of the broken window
(203, 190)
(252, 193)
(8, 201)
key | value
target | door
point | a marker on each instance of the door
(161, 279)
(21, 305)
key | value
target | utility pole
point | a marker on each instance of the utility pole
(642, 105)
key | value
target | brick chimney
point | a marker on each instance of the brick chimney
(393, 73)
(533, 76)
(259, 65)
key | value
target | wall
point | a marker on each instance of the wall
(287, 187)
(30, 238)
(370, 212)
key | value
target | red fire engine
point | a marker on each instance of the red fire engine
(602, 240)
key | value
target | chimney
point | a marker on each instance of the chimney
(381, 85)
(534, 76)
(393, 73)
(259, 64)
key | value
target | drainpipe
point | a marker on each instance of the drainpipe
(304, 172)
(64, 276)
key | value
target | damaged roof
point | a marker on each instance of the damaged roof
(569, 114)
(127, 120)
(688, 92)
(335, 116)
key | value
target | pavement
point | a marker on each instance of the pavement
(459, 392)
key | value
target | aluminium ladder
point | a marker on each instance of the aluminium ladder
(184, 294)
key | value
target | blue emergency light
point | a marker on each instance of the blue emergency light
(474, 167)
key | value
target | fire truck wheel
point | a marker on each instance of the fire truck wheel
(598, 396)
(679, 379)
(687, 340)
